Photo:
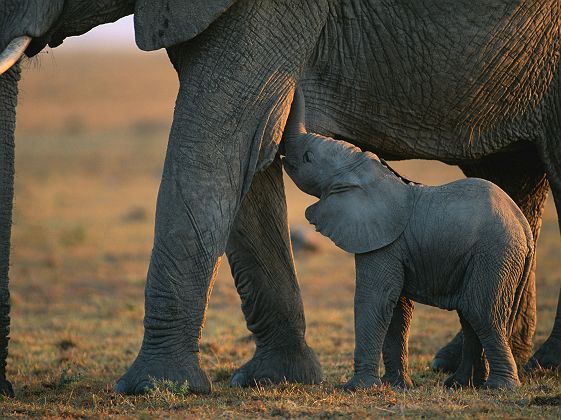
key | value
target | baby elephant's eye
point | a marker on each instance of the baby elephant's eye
(308, 157)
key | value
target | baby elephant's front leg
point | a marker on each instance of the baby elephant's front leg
(379, 280)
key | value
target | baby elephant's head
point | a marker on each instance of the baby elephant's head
(363, 206)
(315, 163)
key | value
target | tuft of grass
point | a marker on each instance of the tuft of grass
(168, 389)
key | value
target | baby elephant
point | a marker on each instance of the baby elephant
(463, 246)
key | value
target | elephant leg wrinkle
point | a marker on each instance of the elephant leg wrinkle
(206, 204)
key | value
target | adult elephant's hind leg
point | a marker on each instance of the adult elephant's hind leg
(448, 358)
(262, 265)
(549, 355)
(522, 175)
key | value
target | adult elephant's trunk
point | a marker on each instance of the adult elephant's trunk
(8, 100)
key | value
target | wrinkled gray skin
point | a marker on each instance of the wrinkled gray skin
(473, 83)
(462, 246)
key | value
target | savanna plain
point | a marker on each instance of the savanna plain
(91, 137)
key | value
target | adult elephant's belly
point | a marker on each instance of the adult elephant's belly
(396, 135)
(453, 82)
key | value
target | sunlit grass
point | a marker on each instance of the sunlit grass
(82, 239)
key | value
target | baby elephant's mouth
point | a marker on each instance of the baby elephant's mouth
(286, 163)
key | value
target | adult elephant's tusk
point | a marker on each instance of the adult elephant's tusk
(13, 52)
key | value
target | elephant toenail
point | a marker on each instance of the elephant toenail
(238, 380)
(120, 387)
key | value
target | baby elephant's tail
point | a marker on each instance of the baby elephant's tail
(522, 321)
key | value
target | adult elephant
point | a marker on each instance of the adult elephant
(474, 83)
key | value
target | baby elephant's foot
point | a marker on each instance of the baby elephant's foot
(362, 381)
(500, 382)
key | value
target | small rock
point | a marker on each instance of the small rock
(136, 214)
(304, 239)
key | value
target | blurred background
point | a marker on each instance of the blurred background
(93, 121)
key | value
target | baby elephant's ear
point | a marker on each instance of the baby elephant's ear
(359, 219)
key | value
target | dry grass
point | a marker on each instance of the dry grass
(88, 170)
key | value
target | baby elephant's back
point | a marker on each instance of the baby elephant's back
(481, 215)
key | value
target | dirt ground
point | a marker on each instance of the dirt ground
(92, 131)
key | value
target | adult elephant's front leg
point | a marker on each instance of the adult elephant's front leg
(263, 269)
(196, 204)
(236, 81)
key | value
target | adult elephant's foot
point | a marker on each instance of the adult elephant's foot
(448, 358)
(276, 365)
(458, 381)
(548, 356)
(399, 380)
(180, 370)
(499, 382)
(6, 388)
(469, 374)
(462, 380)
(362, 381)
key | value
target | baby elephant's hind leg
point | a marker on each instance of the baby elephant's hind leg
(502, 367)
(487, 304)
(472, 370)
(503, 372)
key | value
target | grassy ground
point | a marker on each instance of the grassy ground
(91, 139)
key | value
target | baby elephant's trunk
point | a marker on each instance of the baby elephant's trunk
(295, 127)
